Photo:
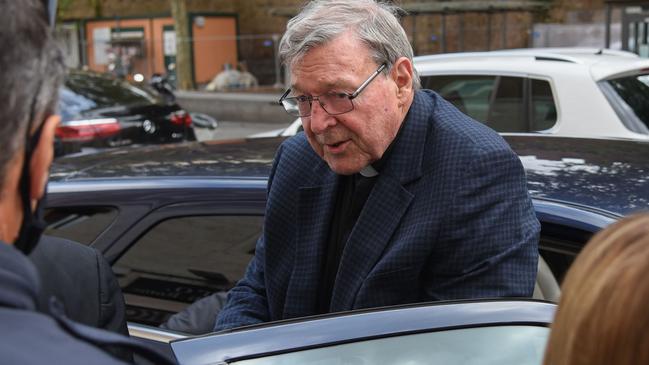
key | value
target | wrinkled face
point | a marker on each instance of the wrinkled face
(350, 141)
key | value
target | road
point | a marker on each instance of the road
(233, 130)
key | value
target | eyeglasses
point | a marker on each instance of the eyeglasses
(333, 103)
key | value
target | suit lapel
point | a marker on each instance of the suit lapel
(314, 212)
(386, 205)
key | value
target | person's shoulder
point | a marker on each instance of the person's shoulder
(297, 164)
(51, 247)
(298, 153)
(54, 252)
(31, 330)
(297, 144)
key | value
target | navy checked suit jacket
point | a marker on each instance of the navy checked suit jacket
(449, 217)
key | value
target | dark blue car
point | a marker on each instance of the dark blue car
(180, 222)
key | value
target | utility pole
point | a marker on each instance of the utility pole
(184, 64)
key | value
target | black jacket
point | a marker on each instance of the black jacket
(29, 337)
(81, 278)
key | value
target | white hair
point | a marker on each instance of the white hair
(374, 23)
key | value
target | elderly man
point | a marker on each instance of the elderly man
(391, 195)
(31, 71)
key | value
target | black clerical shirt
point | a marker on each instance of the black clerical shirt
(350, 199)
(352, 194)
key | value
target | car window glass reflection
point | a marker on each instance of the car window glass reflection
(182, 260)
(82, 224)
(633, 91)
(472, 346)
(544, 112)
(470, 94)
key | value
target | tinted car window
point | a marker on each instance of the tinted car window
(481, 345)
(83, 92)
(507, 113)
(184, 259)
(544, 111)
(82, 225)
(633, 93)
(470, 94)
(507, 110)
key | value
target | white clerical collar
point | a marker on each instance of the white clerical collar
(368, 171)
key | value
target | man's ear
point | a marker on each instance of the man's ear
(42, 158)
(402, 74)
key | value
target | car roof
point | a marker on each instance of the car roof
(231, 158)
(283, 336)
(601, 64)
(607, 175)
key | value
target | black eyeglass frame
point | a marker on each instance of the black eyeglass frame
(310, 99)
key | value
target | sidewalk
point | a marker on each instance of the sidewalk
(244, 107)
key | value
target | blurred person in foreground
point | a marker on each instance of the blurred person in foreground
(31, 72)
(602, 317)
(391, 195)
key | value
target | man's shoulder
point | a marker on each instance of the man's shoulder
(298, 145)
(52, 249)
(296, 155)
(31, 330)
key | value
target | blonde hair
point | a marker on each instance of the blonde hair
(603, 313)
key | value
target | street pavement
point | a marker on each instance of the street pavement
(234, 130)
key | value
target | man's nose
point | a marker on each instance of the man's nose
(320, 119)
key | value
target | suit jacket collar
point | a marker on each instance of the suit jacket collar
(380, 216)
(406, 158)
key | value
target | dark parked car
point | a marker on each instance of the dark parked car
(503, 332)
(102, 111)
(179, 222)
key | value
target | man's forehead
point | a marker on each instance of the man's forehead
(302, 86)
(308, 80)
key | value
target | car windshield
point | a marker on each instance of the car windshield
(84, 92)
(630, 98)
(499, 345)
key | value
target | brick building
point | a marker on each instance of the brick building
(255, 25)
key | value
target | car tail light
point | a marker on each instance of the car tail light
(181, 117)
(87, 130)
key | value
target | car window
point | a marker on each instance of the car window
(631, 95)
(507, 113)
(83, 224)
(481, 345)
(544, 111)
(184, 259)
(470, 94)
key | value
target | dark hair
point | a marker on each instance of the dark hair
(31, 72)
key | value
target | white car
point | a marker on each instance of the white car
(574, 92)
(577, 92)
(291, 130)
